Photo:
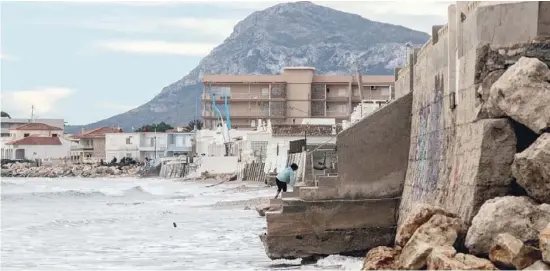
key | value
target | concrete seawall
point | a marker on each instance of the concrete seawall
(436, 144)
(355, 211)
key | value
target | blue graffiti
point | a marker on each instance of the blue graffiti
(429, 149)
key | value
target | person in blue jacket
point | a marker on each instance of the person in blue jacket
(285, 177)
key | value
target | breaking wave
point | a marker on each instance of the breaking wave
(134, 191)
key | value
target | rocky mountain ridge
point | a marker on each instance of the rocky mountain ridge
(289, 34)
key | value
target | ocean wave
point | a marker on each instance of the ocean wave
(134, 191)
(4, 183)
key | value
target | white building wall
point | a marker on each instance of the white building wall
(42, 151)
(121, 145)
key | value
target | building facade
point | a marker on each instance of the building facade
(11, 123)
(91, 145)
(35, 141)
(141, 145)
(298, 93)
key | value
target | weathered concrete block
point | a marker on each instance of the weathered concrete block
(531, 168)
(461, 177)
(523, 93)
(518, 216)
(311, 228)
(373, 153)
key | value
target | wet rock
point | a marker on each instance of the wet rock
(440, 260)
(439, 231)
(518, 216)
(531, 168)
(538, 265)
(544, 242)
(381, 258)
(510, 252)
(523, 93)
(419, 215)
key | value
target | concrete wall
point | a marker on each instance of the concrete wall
(372, 154)
(456, 160)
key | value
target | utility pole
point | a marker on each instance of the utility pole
(155, 136)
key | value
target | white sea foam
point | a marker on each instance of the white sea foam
(127, 224)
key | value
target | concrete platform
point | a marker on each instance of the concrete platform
(309, 228)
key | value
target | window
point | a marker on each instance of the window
(25, 135)
(129, 140)
(54, 135)
(152, 141)
(129, 155)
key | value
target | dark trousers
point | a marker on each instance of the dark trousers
(280, 185)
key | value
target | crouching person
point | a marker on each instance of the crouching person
(286, 176)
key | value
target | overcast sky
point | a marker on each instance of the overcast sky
(88, 61)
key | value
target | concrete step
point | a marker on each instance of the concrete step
(275, 202)
(328, 181)
(292, 194)
(318, 193)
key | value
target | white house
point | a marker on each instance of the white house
(121, 145)
(36, 141)
(141, 145)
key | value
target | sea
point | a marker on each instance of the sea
(137, 224)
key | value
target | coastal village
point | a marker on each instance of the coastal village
(443, 166)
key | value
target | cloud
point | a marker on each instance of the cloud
(44, 100)
(116, 106)
(157, 47)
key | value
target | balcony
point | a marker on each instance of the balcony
(178, 148)
(241, 97)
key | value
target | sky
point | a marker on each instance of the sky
(86, 61)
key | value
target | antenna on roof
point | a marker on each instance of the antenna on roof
(288, 61)
(32, 113)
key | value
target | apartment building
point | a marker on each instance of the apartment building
(296, 94)
(141, 145)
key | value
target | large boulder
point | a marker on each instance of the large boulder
(544, 242)
(439, 260)
(439, 231)
(538, 265)
(531, 168)
(523, 93)
(419, 215)
(510, 252)
(518, 216)
(381, 258)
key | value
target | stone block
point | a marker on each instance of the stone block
(531, 168)
(518, 216)
(510, 252)
(544, 243)
(523, 93)
(381, 258)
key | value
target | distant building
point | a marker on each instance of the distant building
(36, 141)
(288, 98)
(141, 145)
(91, 145)
(9, 123)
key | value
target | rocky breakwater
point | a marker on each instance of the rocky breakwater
(507, 232)
(69, 170)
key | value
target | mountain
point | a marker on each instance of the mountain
(289, 34)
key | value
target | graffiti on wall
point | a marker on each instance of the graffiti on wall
(429, 143)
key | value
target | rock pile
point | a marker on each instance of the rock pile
(432, 238)
(69, 170)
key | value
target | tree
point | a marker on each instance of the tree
(192, 124)
(160, 127)
(5, 115)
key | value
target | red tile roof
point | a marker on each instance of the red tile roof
(37, 140)
(35, 126)
(99, 132)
